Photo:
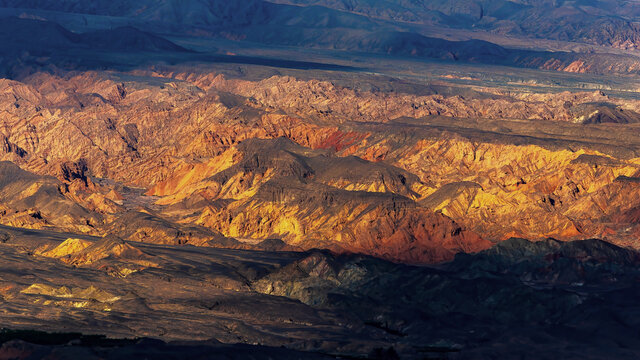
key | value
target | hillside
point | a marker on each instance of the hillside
(174, 300)
(609, 22)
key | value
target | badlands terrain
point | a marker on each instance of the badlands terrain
(319, 179)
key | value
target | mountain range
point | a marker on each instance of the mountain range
(301, 179)
(355, 27)
(601, 22)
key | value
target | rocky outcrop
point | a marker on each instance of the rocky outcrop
(310, 199)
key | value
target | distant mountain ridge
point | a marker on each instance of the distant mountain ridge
(38, 35)
(363, 26)
(601, 22)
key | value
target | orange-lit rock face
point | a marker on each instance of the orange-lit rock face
(276, 188)
(503, 191)
(177, 159)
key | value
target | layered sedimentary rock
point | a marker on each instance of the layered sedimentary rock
(311, 199)
(174, 157)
